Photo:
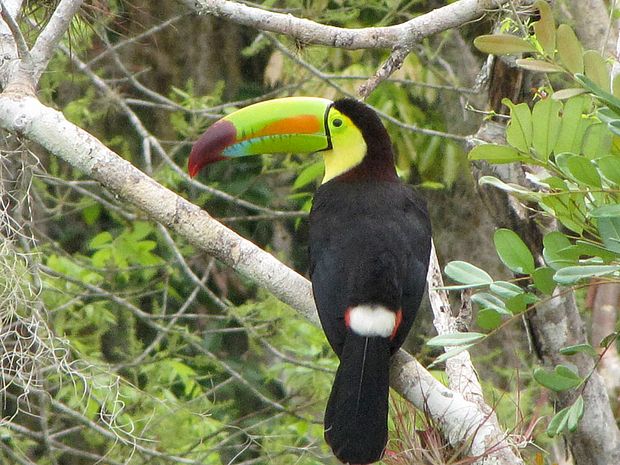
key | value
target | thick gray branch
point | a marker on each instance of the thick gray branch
(28, 117)
(309, 32)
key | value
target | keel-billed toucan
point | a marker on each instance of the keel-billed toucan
(369, 247)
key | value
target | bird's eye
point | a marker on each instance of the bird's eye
(337, 122)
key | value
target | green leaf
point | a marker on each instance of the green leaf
(519, 130)
(583, 171)
(91, 213)
(101, 239)
(567, 208)
(505, 289)
(572, 274)
(489, 301)
(615, 86)
(596, 141)
(573, 125)
(586, 248)
(502, 44)
(560, 379)
(488, 319)
(574, 414)
(515, 189)
(608, 340)
(557, 252)
(564, 94)
(546, 126)
(543, 280)
(545, 28)
(579, 349)
(569, 49)
(468, 274)
(609, 230)
(610, 168)
(455, 339)
(519, 303)
(495, 154)
(539, 66)
(308, 174)
(558, 422)
(449, 354)
(610, 100)
(513, 252)
(609, 211)
(596, 69)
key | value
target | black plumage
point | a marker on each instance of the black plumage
(369, 245)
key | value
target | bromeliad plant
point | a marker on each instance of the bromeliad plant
(569, 140)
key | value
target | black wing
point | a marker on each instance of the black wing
(369, 243)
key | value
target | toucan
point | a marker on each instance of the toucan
(369, 246)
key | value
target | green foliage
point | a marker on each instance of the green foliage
(569, 139)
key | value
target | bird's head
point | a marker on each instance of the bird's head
(345, 132)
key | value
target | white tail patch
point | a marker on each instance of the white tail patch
(371, 320)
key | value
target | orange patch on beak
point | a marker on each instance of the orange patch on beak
(302, 124)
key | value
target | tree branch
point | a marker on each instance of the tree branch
(26, 116)
(9, 49)
(20, 42)
(46, 43)
(310, 32)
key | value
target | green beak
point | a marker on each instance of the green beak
(294, 124)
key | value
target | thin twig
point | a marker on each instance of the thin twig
(20, 41)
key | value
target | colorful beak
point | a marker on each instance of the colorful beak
(294, 124)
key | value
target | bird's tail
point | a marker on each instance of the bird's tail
(356, 414)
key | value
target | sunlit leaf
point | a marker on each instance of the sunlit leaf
(610, 168)
(495, 153)
(546, 126)
(609, 99)
(545, 27)
(540, 66)
(615, 86)
(596, 141)
(502, 44)
(596, 69)
(584, 171)
(308, 174)
(564, 94)
(573, 125)
(101, 239)
(519, 130)
(569, 49)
